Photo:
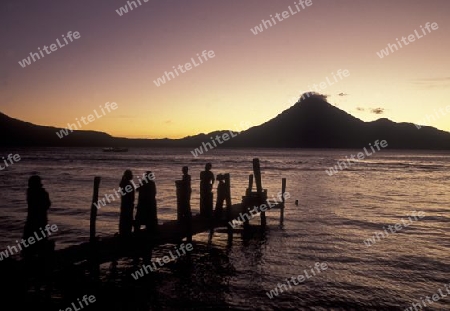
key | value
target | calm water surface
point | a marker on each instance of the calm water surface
(334, 217)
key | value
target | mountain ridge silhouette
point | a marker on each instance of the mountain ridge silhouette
(310, 123)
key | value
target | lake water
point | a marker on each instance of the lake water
(335, 215)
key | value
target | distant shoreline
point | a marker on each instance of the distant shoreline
(186, 148)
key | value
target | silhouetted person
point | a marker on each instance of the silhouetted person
(206, 196)
(221, 193)
(38, 204)
(126, 204)
(187, 181)
(186, 177)
(296, 202)
(146, 209)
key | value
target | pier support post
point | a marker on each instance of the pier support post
(283, 190)
(228, 207)
(228, 194)
(94, 266)
(259, 190)
(257, 173)
(221, 195)
(250, 185)
(93, 219)
(184, 216)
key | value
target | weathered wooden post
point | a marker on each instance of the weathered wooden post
(94, 265)
(283, 190)
(259, 190)
(228, 193)
(257, 173)
(94, 210)
(228, 207)
(180, 199)
(184, 216)
(250, 185)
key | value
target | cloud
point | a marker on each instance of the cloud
(432, 83)
(168, 121)
(360, 109)
(377, 110)
(439, 79)
(342, 94)
(124, 116)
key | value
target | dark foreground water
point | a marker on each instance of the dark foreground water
(335, 217)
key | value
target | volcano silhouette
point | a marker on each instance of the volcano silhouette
(314, 123)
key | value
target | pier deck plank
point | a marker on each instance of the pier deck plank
(106, 249)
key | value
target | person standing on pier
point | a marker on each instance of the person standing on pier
(126, 204)
(187, 180)
(206, 195)
(38, 204)
(146, 213)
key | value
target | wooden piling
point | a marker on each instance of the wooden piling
(257, 173)
(259, 189)
(228, 211)
(93, 219)
(228, 191)
(184, 216)
(250, 185)
(181, 199)
(283, 190)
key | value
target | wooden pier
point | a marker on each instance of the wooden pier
(109, 249)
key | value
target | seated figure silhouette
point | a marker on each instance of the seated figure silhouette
(126, 205)
(206, 196)
(38, 204)
(146, 213)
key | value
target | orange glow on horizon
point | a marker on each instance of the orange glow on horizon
(251, 78)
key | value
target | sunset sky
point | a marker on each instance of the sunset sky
(251, 79)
